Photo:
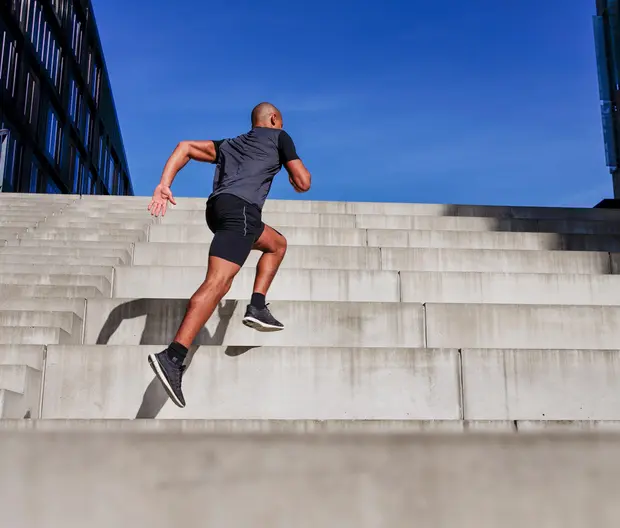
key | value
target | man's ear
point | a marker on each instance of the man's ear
(273, 119)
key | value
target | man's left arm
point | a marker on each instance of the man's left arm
(298, 175)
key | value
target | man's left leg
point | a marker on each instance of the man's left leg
(273, 245)
(169, 364)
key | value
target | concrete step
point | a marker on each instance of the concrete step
(15, 377)
(541, 384)
(48, 303)
(488, 260)
(298, 257)
(33, 208)
(522, 326)
(104, 217)
(58, 259)
(115, 382)
(453, 223)
(8, 233)
(6, 223)
(25, 291)
(11, 405)
(29, 212)
(578, 221)
(508, 288)
(168, 282)
(284, 219)
(39, 197)
(76, 244)
(392, 259)
(155, 322)
(28, 355)
(67, 321)
(438, 232)
(567, 426)
(97, 224)
(360, 480)
(22, 387)
(491, 240)
(36, 279)
(290, 284)
(103, 235)
(302, 427)
(312, 236)
(296, 236)
(372, 208)
(56, 269)
(66, 252)
(10, 335)
(439, 210)
(265, 383)
(390, 221)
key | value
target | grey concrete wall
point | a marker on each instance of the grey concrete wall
(361, 481)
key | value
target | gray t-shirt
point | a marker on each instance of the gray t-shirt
(247, 164)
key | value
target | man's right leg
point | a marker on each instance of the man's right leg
(273, 245)
(168, 365)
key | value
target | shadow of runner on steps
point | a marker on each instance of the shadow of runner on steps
(161, 320)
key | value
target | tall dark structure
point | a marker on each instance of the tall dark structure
(607, 38)
(59, 131)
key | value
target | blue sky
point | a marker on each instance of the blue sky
(482, 102)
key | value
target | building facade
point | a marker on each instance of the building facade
(59, 128)
(607, 40)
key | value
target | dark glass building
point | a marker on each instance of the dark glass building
(607, 38)
(59, 131)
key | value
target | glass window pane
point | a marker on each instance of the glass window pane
(34, 177)
(51, 187)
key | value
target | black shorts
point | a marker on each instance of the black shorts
(236, 224)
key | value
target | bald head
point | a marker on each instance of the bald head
(266, 115)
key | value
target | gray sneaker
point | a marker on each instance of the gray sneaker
(170, 374)
(261, 320)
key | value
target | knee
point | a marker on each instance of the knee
(214, 286)
(220, 283)
(281, 245)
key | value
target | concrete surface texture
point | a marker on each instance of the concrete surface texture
(403, 322)
(392, 311)
(279, 480)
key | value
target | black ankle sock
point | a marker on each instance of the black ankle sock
(177, 352)
(258, 300)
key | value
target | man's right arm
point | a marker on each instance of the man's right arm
(205, 151)
(298, 175)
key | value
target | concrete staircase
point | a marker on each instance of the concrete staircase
(401, 319)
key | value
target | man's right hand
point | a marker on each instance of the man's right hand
(159, 202)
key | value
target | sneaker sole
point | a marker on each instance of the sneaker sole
(164, 381)
(251, 322)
